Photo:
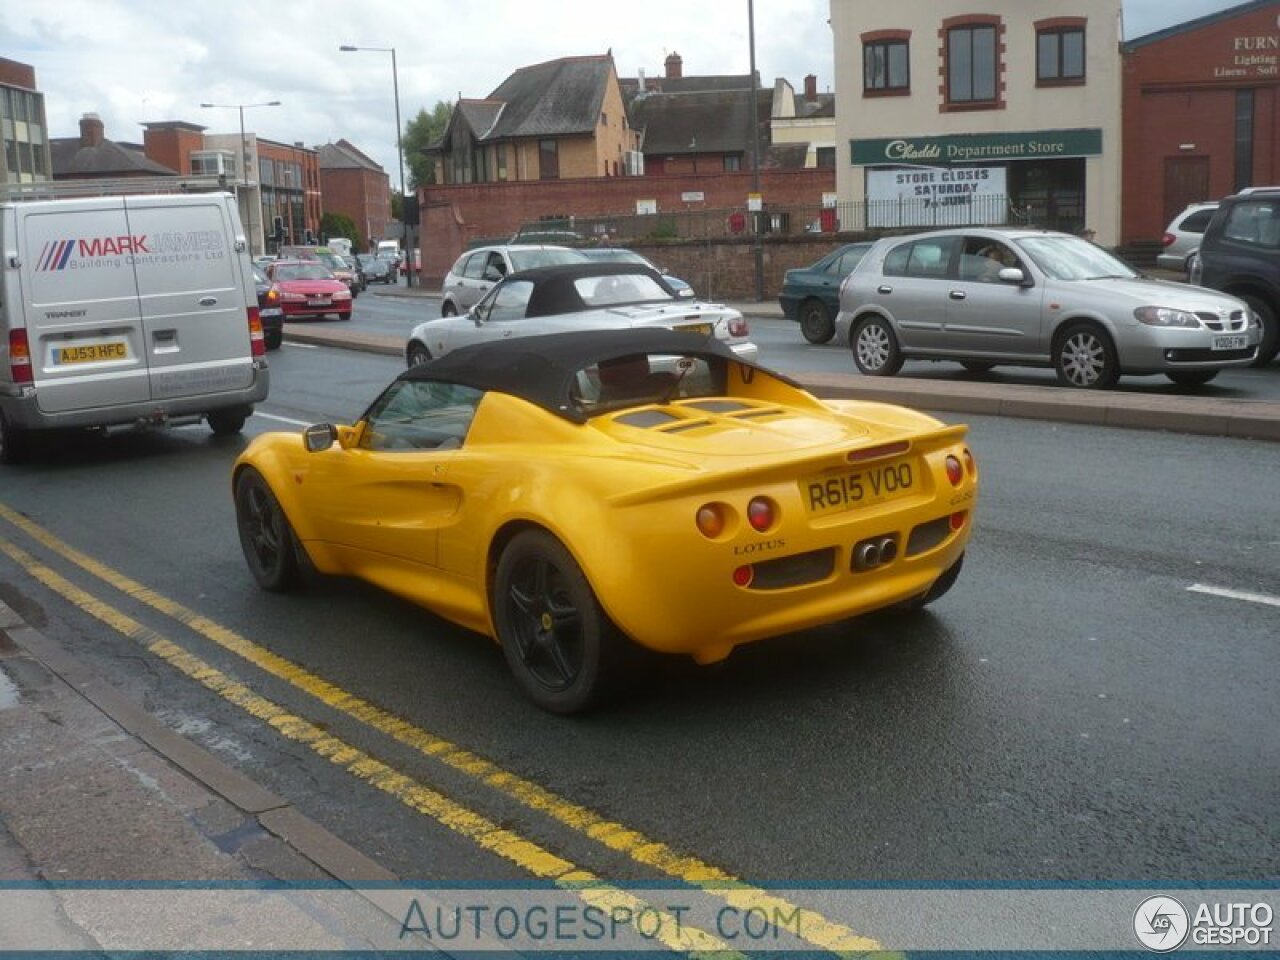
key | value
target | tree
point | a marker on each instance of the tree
(419, 133)
(340, 225)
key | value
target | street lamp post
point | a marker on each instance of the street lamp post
(757, 242)
(395, 85)
(244, 155)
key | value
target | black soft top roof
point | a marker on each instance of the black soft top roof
(543, 369)
(554, 291)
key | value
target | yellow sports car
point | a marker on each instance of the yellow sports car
(574, 493)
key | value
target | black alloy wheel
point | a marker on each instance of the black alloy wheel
(448, 310)
(816, 322)
(559, 644)
(1270, 344)
(266, 537)
(417, 355)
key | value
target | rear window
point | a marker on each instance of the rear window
(1197, 222)
(639, 379)
(1254, 222)
(619, 288)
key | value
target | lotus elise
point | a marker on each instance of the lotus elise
(573, 495)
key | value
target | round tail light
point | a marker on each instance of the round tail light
(955, 472)
(743, 576)
(958, 519)
(761, 514)
(710, 520)
(970, 467)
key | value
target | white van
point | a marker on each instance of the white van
(136, 310)
(339, 245)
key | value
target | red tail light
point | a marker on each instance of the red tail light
(257, 342)
(955, 472)
(958, 519)
(1167, 239)
(743, 576)
(20, 357)
(738, 327)
(760, 513)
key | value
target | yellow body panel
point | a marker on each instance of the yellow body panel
(622, 493)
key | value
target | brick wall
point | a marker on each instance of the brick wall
(454, 216)
(363, 195)
(1179, 108)
(16, 74)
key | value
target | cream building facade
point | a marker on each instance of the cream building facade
(979, 111)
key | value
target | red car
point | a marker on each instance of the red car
(309, 289)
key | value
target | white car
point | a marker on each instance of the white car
(475, 272)
(578, 296)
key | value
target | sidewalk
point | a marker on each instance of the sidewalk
(1205, 416)
(93, 788)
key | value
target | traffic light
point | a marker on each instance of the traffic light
(277, 229)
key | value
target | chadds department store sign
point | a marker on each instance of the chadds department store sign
(978, 147)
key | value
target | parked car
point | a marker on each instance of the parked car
(985, 297)
(270, 312)
(1182, 239)
(1240, 255)
(475, 272)
(376, 270)
(811, 295)
(309, 289)
(622, 255)
(503, 488)
(577, 296)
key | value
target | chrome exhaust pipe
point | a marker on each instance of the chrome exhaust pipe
(866, 555)
(888, 549)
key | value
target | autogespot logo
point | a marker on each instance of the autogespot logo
(1161, 924)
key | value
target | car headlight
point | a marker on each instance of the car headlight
(342, 295)
(1166, 317)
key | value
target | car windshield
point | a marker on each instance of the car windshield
(303, 271)
(616, 288)
(333, 261)
(1070, 258)
(529, 259)
(259, 276)
(641, 379)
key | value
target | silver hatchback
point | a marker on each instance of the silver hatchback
(475, 272)
(985, 297)
(1181, 240)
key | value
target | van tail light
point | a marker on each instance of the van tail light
(257, 342)
(20, 358)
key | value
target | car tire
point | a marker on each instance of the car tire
(1191, 378)
(447, 309)
(345, 316)
(417, 355)
(558, 642)
(266, 537)
(15, 444)
(273, 341)
(1269, 346)
(938, 589)
(977, 366)
(815, 321)
(875, 347)
(1085, 358)
(224, 423)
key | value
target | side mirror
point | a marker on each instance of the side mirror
(1011, 275)
(319, 437)
(686, 293)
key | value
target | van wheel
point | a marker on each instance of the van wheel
(267, 539)
(15, 445)
(226, 422)
(1270, 344)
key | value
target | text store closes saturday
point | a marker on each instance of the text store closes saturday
(935, 196)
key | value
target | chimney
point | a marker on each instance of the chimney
(675, 66)
(90, 130)
(811, 88)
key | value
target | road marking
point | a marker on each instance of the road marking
(822, 933)
(272, 416)
(673, 933)
(301, 346)
(1263, 598)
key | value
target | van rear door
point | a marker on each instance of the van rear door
(84, 328)
(192, 291)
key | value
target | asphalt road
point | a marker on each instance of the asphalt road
(782, 347)
(1077, 708)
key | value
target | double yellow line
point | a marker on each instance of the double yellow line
(539, 862)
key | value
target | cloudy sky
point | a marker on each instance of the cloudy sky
(132, 61)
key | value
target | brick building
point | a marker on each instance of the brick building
(25, 157)
(91, 156)
(355, 185)
(1201, 113)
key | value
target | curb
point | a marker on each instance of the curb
(1200, 416)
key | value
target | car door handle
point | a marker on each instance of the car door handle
(884, 288)
(957, 294)
(208, 301)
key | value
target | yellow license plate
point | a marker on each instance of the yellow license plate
(91, 353)
(702, 328)
(834, 493)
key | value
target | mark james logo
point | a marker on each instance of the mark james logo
(56, 254)
(1161, 924)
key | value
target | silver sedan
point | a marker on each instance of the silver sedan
(986, 297)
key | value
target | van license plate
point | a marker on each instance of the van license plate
(1230, 343)
(91, 353)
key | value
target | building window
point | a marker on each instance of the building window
(548, 160)
(826, 158)
(1060, 56)
(1244, 139)
(732, 163)
(501, 150)
(886, 66)
(604, 119)
(971, 64)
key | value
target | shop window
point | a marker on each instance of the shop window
(1060, 56)
(548, 160)
(886, 67)
(972, 66)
